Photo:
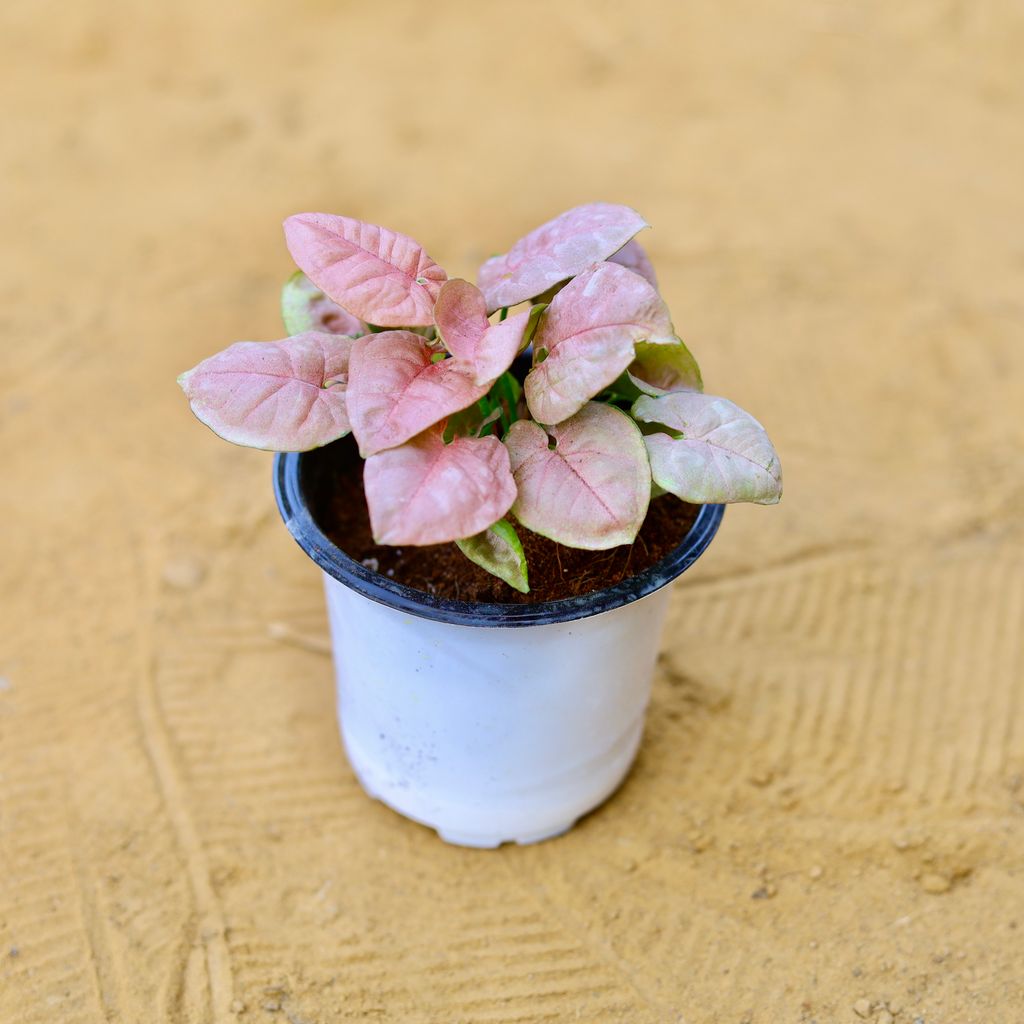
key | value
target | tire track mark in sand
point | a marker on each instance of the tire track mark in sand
(211, 931)
(602, 952)
(108, 983)
(895, 674)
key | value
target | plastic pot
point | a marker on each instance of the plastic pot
(490, 723)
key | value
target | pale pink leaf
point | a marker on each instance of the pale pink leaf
(559, 249)
(285, 396)
(589, 332)
(634, 257)
(716, 453)
(590, 490)
(429, 492)
(304, 307)
(380, 276)
(461, 317)
(396, 389)
(659, 369)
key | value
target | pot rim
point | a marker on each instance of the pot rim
(294, 509)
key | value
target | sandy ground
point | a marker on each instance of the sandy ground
(827, 818)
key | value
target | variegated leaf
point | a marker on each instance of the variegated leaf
(588, 333)
(715, 453)
(429, 492)
(499, 550)
(304, 307)
(557, 250)
(285, 396)
(378, 275)
(586, 482)
(396, 390)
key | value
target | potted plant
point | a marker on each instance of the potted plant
(543, 434)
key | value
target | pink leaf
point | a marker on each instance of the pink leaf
(592, 488)
(427, 492)
(562, 248)
(285, 396)
(381, 276)
(659, 369)
(304, 307)
(461, 317)
(396, 390)
(634, 257)
(589, 332)
(719, 453)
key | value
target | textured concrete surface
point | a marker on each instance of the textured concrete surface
(827, 819)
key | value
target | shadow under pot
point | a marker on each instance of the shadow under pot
(487, 722)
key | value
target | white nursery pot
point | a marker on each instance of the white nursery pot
(488, 722)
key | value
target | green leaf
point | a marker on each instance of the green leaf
(659, 369)
(304, 307)
(499, 550)
(505, 394)
(536, 312)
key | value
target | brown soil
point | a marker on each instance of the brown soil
(555, 571)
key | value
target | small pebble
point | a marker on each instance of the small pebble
(699, 842)
(14, 952)
(761, 777)
(183, 572)
(816, 872)
(766, 892)
(272, 1006)
(935, 884)
(237, 1006)
(894, 1005)
(885, 1017)
(5, 684)
(862, 1008)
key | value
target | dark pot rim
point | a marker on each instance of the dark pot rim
(294, 509)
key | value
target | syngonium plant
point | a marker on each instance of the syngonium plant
(417, 366)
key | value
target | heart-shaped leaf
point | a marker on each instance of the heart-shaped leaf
(719, 454)
(588, 333)
(284, 396)
(381, 276)
(304, 307)
(659, 369)
(396, 390)
(590, 488)
(429, 492)
(634, 257)
(559, 249)
(461, 318)
(499, 550)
